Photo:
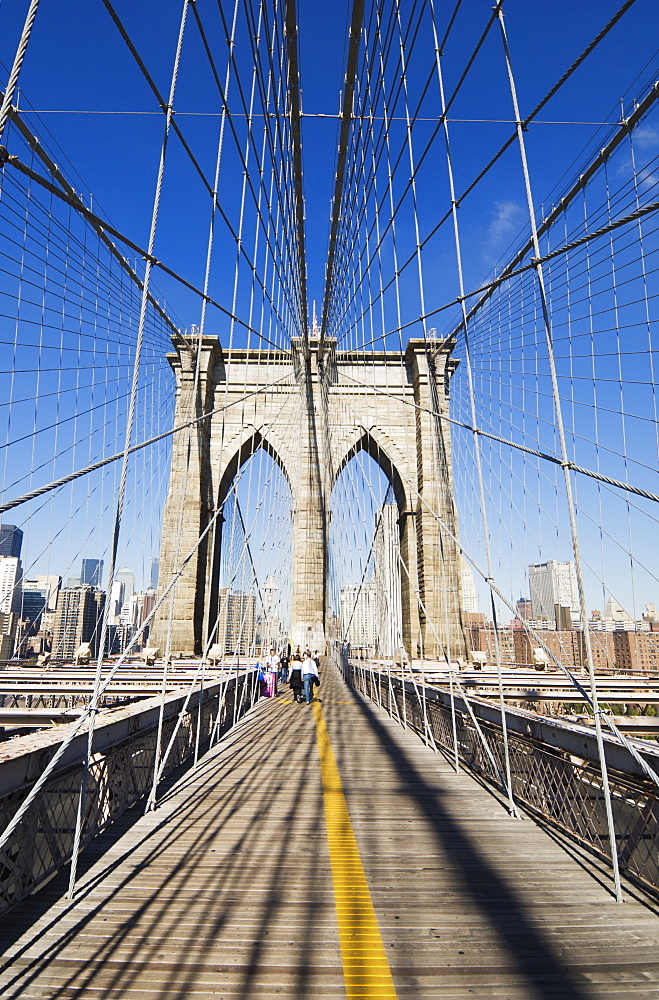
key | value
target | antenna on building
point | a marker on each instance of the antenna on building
(315, 329)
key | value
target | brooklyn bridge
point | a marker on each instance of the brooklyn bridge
(328, 329)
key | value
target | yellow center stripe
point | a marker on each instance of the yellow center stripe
(365, 967)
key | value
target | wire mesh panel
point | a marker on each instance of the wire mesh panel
(117, 779)
(563, 788)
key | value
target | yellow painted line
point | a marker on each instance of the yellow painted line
(365, 967)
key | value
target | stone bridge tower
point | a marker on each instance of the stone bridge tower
(312, 416)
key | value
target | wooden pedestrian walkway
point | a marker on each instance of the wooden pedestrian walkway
(322, 851)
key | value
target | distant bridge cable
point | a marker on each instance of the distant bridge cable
(40, 491)
(622, 131)
(14, 161)
(228, 116)
(56, 173)
(554, 459)
(497, 282)
(294, 97)
(348, 98)
(186, 146)
(394, 163)
(526, 121)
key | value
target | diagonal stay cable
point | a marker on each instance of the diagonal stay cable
(230, 116)
(136, 447)
(35, 145)
(15, 161)
(77, 726)
(294, 97)
(526, 121)
(628, 487)
(5, 107)
(495, 283)
(163, 106)
(346, 117)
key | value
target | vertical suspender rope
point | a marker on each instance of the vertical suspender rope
(432, 383)
(124, 467)
(394, 245)
(564, 462)
(472, 404)
(209, 254)
(454, 721)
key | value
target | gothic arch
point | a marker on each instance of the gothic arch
(333, 416)
(380, 449)
(250, 441)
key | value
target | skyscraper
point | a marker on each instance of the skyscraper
(11, 539)
(359, 613)
(469, 594)
(34, 603)
(389, 615)
(553, 584)
(116, 601)
(524, 608)
(11, 584)
(53, 582)
(155, 570)
(91, 572)
(127, 577)
(78, 619)
(236, 630)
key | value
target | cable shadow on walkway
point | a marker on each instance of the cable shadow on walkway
(238, 821)
(532, 955)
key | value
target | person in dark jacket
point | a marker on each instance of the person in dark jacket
(295, 678)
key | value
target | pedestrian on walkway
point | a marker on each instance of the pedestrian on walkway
(309, 677)
(284, 661)
(271, 668)
(296, 677)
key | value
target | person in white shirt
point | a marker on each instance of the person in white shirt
(309, 676)
(271, 668)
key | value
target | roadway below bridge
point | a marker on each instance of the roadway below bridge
(33, 697)
(530, 685)
(323, 851)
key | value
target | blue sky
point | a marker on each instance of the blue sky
(77, 62)
(100, 121)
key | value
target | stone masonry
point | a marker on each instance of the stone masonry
(312, 416)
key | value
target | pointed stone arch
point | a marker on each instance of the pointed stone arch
(250, 440)
(333, 409)
(383, 451)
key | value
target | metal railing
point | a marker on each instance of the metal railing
(553, 768)
(120, 774)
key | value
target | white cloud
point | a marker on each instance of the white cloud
(647, 178)
(646, 136)
(506, 219)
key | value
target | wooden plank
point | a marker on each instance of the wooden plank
(226, 890)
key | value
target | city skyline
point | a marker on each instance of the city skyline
(492, 224)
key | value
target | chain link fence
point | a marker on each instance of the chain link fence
(563, 787)
(119, 776)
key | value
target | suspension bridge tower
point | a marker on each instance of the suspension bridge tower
(312, 410)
